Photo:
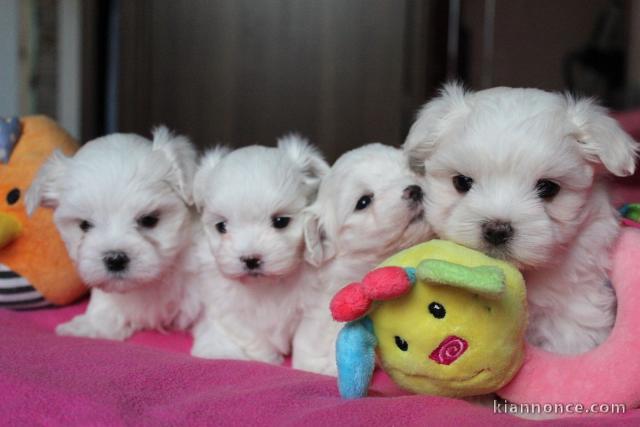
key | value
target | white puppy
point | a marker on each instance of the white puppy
(368, 207)
(252, 255)
(121, 208)
(518, 174)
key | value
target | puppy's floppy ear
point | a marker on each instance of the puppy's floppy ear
(46, 187)
(207, 163)
(308, 159)
(433, 119)
(319, 246)
(181, 155)
(601, 138)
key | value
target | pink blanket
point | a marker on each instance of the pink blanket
(151, 380)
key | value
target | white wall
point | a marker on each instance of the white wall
(9, 10)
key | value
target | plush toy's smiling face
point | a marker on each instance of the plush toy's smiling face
(442, 336)
(446, 340)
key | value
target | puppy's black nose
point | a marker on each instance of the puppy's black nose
(413, 192)
(497, 232)
(116, 261)
(252, 263)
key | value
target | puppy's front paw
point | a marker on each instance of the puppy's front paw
(217, 350)
(329, 368)
(266, 355)
(184, 320)
(82, 326)
(319, 365)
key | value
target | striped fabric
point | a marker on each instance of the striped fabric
(17, 293)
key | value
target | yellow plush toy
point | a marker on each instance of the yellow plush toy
(35, 270)
(443, 320)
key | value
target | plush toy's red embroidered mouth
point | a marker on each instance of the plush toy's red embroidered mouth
(449, 350)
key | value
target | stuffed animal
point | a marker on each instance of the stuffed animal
(443, 320)
(630, 214)
(35, 270)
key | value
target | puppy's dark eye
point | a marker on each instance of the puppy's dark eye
(85, 225)
(402, 344)
(547, 189)
(437, 310)
(462, 183)
(13, 196)
(364, 201)
(280, 221)
(148, 221)
(221, 227)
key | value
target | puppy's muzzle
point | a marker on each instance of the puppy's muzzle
(252, 262)
(497, 233)
(413, 193)
(116, 261)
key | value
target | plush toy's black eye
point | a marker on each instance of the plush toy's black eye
(437, 310)
(13, 196)
(221, 227)
(402, 344)
(148, 221)
(85, 225)
(462, 183)
(364, 201)
(280, 221)
(547, 189)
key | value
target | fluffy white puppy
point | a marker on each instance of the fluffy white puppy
(518, 174)
(121, 207)
(368, 207)
(252, 252)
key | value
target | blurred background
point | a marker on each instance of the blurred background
(342, 72)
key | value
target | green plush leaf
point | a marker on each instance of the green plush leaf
(485, 280)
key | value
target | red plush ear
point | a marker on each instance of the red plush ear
(386, 283)
(354, 300)
(350, 303)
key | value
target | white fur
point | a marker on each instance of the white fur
(506, 140)
(251, 314)
(345, 243)
(111, 182)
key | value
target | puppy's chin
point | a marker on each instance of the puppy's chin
(255, 278)
(263, 276)
(417, 230)
(522, 256)
(274, 265)
(414, 229)
(119, 284)
(504, 253)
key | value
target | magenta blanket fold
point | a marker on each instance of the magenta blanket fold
(151, 380)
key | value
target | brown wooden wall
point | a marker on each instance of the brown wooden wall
(343, 72)
(246, 71)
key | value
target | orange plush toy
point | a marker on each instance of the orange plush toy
(35, 270)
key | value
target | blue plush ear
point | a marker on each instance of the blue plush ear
(356, 358)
